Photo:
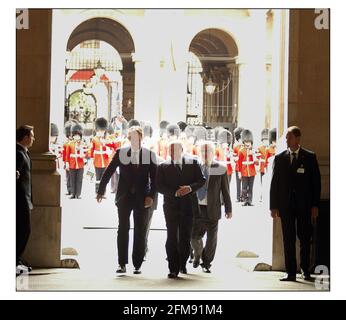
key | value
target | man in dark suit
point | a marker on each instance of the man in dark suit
(178, 179)
(294, 197)
(209, 198)
(25, 138)
(136, 191)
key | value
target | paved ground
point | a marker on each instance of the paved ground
(90, 228)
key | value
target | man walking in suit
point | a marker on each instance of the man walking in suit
(209, 199)
(178, 179)
(294, 197)
(25, 138)
(136, 192)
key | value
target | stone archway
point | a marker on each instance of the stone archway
(115, 34)
(217, 52)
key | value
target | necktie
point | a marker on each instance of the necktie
(202, 192)
(178, 166)
(294, 160)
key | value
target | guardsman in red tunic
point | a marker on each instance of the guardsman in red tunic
(190, 140)
(113, 141)
(223, 151)
(162, 141)
(247, 164)
(261, 155)
(271, 150)
(200, 134)
(75, 159)
(99, 150)
(236, 148)
(67, 129)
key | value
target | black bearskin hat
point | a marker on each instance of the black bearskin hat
(265, 134)
(147, 130)
(67, 127)
(272, 136)
(246, 136)
(172, 130)
(182, 125)
(133, 123)
(237, 133)
(101, 124)
(200, 133)
(224, 136)
(77, 129)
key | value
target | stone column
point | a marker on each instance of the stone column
(146, 91)
(33, 107)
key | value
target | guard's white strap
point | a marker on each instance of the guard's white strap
(248, 162)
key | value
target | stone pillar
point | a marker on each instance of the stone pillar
(146, 91)
(33, 107)
(308, 98)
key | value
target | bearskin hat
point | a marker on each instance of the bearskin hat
(272, 136)
(172, 130)
(237, 133)
(246, 136)
(101, 124)
(147, 130)
(77, 129)
(54, 131)
(133, 123)
(189, 131)
(224, 136)
(265, 134)
(200, 133)
(182, 125)
(67, 127)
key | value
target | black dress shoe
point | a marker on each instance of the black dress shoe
(205, 268)
(121, 269)
(289, 277)
(306, 276)
(137, 271)
(172, 275)
(67, 193)
(183, 270)
(24, 264)
(72, 197)
(245, 204)
(196, 264)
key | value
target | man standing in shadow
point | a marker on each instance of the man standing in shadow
(294, 197)
(25, 138)
(178, 179)
(136, 193)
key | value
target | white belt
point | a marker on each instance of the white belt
(248, 162)
(100, 152)
(236, 158)
(262, 160)
(73, 155)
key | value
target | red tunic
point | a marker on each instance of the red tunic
(247, 163)
(99, 151)
(261, 156)
(236, 149)
(75, 155)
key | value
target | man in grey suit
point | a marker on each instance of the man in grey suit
(209, 198)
